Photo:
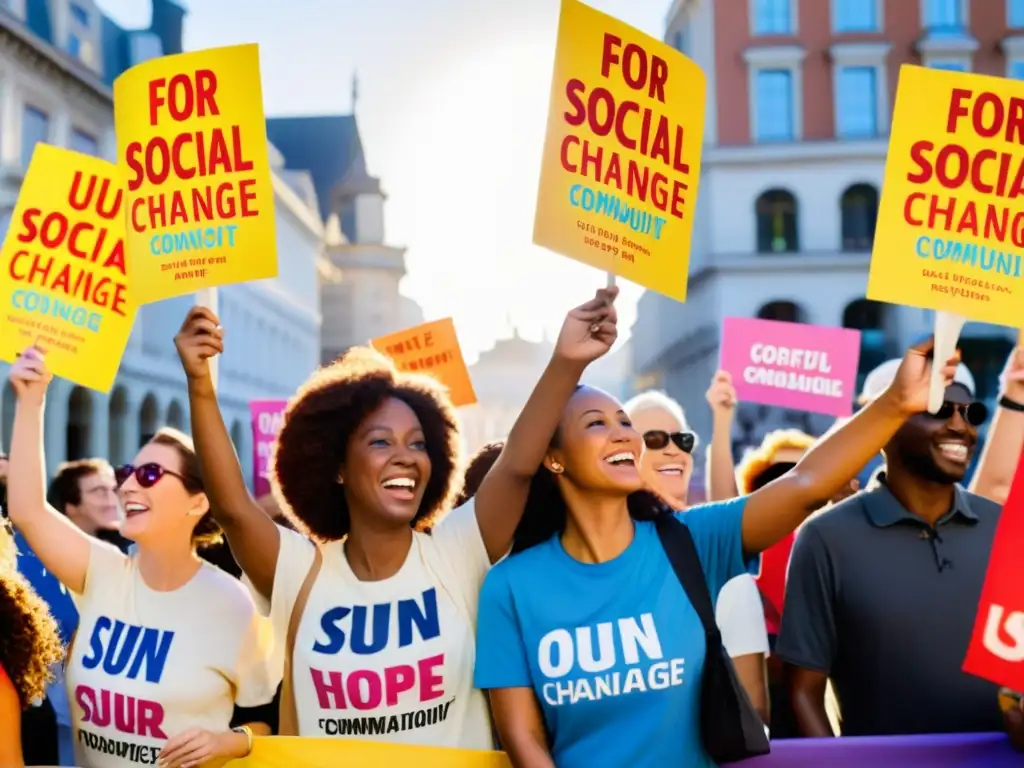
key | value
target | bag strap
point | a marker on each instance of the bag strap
(677, 541)
(288, 718)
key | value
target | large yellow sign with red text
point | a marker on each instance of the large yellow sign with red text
(64, 285)
(950, 232)
(192, 148)
(621, 164)
(431, 348)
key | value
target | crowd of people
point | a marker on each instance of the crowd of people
(537, 598)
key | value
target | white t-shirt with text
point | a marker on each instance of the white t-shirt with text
(147, 665)
(389, 660)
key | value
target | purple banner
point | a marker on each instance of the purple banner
(957, 750)
(266, 423)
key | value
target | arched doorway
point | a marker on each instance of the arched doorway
(869, 317)
(786, 311)
(777, 230)
(149, 419)
(78, 434)
(175, 415)
(858, 208)
(117, 427)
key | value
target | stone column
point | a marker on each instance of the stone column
(55, 427)
(99, 426)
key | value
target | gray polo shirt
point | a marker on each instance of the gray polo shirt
(885, 605)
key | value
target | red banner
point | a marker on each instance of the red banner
(996, 652)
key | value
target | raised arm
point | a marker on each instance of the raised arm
(778, 508)
(58, 543)
(721, 470)
(252, 535)
(998, 463)
(589, 331)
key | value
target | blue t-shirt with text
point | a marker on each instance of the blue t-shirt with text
(614, 651)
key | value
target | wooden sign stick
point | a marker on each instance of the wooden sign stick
(611, 280)
(209, 298)
(947, 334)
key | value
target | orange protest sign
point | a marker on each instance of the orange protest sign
(621, 162)
(433, 349)
(950, 234)
(192, 147)
(64, 285)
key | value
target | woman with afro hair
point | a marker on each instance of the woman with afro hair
(160, 627)
(29, 646)
(588, 645)
(375, 596)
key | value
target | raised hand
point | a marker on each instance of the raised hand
(909, 388)
(29, 376)
(721, 395)
(200, 338)
(590, 330)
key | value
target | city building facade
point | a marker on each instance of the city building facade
(366, 303)
(58, 59)
(799, 103)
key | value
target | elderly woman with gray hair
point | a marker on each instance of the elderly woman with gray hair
(667, 467)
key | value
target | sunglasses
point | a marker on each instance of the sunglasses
(146, 475)
(657, 439)
(973, 413)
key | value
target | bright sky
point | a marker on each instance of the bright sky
(452, 108)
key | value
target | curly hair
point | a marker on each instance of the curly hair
(477, 470)
(321, 418)
(546, 513)
(751, 472)
(206, 533)
(29, 641)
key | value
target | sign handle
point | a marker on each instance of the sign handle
(610, 281)
(947, 334)
(209, 298)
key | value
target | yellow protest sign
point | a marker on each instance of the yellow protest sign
(64, 285)
(950, 230)
(293, 752)
(621, 163)
(192, 148)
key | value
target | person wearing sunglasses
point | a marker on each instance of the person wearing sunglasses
(666, 467)
(170, 659)
(883, 589)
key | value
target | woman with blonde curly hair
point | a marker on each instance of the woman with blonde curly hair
(374, 598)
(29, 646)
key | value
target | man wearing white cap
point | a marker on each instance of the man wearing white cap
(883, 588)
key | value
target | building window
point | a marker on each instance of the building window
(1015, 13)
(858, 208)
(79, 43)
(774, 17)
(868, 317)
(145, 46)
(857, 103)
(952, 65)
(856, 16)
(84, 143)
(35, 127)
(783, 311)
(945, 16)
(776, 222)
(774, 105)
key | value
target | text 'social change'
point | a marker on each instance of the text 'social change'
(65, 281)
(621, 159)
(950, 228)
(793, 365)
(192, 148)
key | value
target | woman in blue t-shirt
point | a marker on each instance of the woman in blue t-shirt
(586, 642)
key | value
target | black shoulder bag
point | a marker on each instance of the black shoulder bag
(729, 725)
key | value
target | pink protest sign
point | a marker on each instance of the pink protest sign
(266, 423)
(793, 365)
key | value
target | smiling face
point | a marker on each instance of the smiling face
(164, 510)
(386, 466)
(99, 508)
(597, 445)
(666, 470)
(937, 450)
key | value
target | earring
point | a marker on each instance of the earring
(557, 468)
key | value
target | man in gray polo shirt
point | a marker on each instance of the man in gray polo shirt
(883, 588)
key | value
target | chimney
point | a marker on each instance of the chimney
(168, 20)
